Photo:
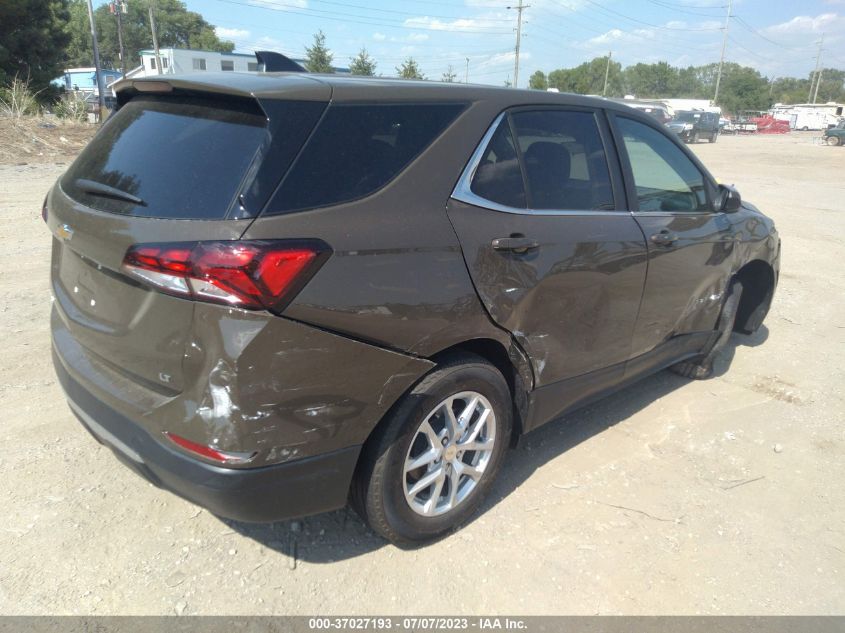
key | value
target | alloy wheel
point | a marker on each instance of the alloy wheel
(449, 453)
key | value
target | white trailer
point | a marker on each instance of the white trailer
(811, 120)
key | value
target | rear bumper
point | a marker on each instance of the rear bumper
(269, 493)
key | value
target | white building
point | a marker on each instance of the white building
(183, 60)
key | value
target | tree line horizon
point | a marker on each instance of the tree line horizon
(42, 37)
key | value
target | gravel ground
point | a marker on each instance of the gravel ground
(718, 497)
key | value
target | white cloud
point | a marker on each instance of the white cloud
(615, 36)
(805, 24)
(500, 59)
(418, 37)
(490, 23)
(227, 34)
(379, 37)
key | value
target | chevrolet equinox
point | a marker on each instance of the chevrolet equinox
(278, 292)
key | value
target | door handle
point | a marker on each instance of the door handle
(515, 244)
(664, 238)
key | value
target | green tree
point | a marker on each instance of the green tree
(588, 78)
(318, 58)
(790, 89)
(449, 76)
(410, 69)
(538, 80)
(651, 81)
(363, 64)
(32, 40)
(177, 27)
(743, 88)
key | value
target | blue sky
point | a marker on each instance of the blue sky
(778, 37)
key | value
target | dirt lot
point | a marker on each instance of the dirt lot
(722, 496)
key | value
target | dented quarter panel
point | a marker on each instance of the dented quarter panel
(257, 382)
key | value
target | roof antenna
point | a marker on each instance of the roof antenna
(276, 62)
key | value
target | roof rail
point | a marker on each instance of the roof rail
(276, 62)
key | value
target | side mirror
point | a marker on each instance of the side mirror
(728, 200)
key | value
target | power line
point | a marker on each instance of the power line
(654, 26)
(345, 17)
(394, 11)
(751, 29)
(672, 7)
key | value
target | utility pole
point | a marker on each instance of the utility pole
(606, 74)
(101, 97)
(724, 45)
(815, 75)
(466, 76)
(119, 8)
(818, 83)
(155, 36)
(519, 9)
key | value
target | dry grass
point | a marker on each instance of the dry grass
(17, 99)
(41, 139)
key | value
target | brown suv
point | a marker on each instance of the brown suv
(275, 292)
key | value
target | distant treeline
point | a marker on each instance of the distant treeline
(741, 88)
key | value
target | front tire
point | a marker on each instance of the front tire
(833, 141)
(434, 457)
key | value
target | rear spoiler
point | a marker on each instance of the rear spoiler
(276, 62)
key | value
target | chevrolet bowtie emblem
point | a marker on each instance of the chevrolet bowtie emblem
(64, 232)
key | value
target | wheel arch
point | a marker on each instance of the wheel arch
(758, 286)
(512, 364)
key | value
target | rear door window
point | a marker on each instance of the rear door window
(169, 158)
(565, 162)
(356, 150)
(498, 177)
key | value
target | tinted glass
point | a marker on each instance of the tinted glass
(356, 150)
(665, 178)
(564, 160)
(498, 177)
(183, 158)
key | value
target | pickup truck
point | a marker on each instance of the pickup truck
(835, 135)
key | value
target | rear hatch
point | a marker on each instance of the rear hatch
(165, 168)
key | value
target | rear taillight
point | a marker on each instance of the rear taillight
(255, 275)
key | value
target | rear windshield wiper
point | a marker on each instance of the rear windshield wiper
(99, 189)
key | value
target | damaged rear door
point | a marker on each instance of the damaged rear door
(554, 255)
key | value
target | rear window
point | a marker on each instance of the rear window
(177, 158)
(357, 149)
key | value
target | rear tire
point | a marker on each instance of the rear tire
(713, 137)
(703, 368)
(694, 138)
(408, 504)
